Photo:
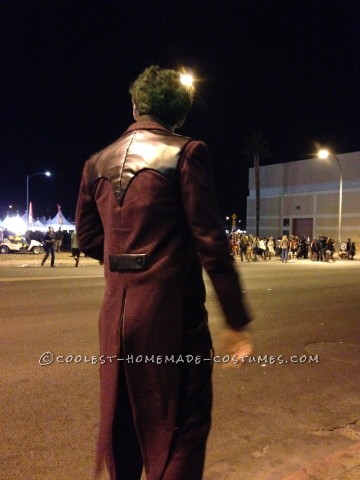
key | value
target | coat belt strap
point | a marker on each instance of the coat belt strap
(127, 261)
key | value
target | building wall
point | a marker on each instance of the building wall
(306, 193)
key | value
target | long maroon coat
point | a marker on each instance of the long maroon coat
(151, 193)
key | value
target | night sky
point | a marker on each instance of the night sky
(289, 69)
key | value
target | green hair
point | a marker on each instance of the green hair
(160, 92)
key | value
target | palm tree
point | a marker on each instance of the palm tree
(256, 147)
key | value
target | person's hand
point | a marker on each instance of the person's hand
(235, 344)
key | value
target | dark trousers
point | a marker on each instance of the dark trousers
(48, 252)
(126, 448)
(187, 453)
(76, 254)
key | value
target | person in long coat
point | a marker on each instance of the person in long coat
(147, 210)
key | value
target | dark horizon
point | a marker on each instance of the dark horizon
(290, 71)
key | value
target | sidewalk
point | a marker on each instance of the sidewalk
(62, 259)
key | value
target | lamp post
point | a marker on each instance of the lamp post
(47, 174)
(323, 154)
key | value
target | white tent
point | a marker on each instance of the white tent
(59, 221)
(38, 224)
(33, 225)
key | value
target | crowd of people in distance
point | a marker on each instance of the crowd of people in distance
(242, 246)
(62, 238)
(322, 249)
(52, 241)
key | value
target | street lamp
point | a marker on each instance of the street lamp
(187, 79)
(323, 154)
(47, 174)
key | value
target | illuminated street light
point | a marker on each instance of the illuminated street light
(323, 154)
(47, 174)
(187, 80)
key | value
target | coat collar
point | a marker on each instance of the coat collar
(148, 122)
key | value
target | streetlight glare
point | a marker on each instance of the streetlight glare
(187, 79)
(47, 174)
(323, 154)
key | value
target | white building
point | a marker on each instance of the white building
(302, 198)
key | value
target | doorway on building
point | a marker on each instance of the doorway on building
(302, 226)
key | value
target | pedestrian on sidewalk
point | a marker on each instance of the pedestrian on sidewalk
(284, 245)
(75, 250)
(49, 246)
(59, 236)
(352, 251)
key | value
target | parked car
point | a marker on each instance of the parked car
(21, 246)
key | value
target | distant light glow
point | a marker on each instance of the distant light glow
(187, 79)
(323, 154)
(48, 174)
(14, 224)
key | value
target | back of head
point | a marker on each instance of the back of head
(161, 93)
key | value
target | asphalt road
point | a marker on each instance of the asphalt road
(292, 413)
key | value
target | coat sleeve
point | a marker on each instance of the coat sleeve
(201, 210)
(90, 231)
